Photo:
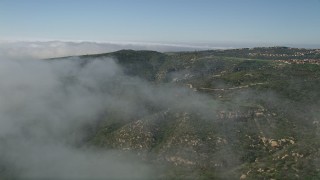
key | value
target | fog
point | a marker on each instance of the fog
(46, 105)
(42, 110)
(47, 108)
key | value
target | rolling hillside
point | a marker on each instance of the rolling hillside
(263, 121)
(232, 114)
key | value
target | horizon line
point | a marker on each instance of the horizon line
(196, 45)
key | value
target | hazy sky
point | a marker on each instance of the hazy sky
(192, 21)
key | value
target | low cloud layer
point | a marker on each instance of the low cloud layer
(49, 49)
(46, 105)
(43, 109)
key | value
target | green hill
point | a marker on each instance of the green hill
(260, 117)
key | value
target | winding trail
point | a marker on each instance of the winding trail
(232, 88)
